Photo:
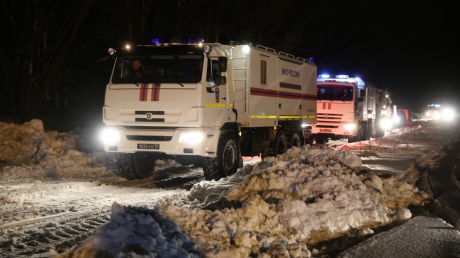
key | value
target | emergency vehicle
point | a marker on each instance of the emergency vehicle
(346, 108)
(205, 104)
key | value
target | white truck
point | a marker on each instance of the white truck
(206, 105)
(346, 109)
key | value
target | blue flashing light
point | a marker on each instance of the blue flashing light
(342, 76)
(192, 40)
(311, 59)
(325, 76)
(158, 41)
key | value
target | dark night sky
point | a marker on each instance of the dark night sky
(409, 47)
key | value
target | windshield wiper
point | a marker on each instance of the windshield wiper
(181, 84)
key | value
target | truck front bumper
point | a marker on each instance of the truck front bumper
(341, 129)
(170, 141)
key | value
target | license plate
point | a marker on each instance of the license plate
(145, 146)
(325, 130)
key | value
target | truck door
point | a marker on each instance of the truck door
(214, 74)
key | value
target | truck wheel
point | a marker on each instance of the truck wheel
(369, 130)
(296, 140)
(280, 144)
(135, 166)
(227, 159)
(361, 132)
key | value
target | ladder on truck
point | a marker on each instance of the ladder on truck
(240, 81)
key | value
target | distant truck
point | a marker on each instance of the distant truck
(440, 112)
(346, 108)
(205, 104)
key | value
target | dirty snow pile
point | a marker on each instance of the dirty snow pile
(28, 152)
(279, 207)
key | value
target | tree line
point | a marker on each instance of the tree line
(51, 50)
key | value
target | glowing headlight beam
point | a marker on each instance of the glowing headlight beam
(110, 135)
(191, 138)
(349, 127)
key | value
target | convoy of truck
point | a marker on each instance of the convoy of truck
(210, 104)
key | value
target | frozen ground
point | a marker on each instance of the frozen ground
(60, 197)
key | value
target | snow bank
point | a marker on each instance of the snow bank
(28, 152)
(137, 232)
(281, 206)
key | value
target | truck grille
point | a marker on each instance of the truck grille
(329, 116)
(329, 120)
(149, 138)
(150, 116)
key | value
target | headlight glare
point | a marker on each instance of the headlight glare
(110, 135)
(385, 123)
(191, 138)
(448, 114)
(349, 127)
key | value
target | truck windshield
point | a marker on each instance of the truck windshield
(166, 68)
(335, 92)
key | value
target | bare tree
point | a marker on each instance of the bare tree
(39, 39)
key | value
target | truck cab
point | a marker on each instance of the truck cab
(346, 108)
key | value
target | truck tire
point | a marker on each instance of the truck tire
(361, 133)
(135, 166)
(227, 159)
(369, 130)
(280, 144)
(297, 140)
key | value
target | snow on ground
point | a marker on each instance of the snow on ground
(27, 152)
(280, 206)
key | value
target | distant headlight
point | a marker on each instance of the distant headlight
(191, 137)
(448, 114)
(396, 119)
(110, 135)
(385, 123)
(349, 127)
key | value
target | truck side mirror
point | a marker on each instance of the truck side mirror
(223, 64)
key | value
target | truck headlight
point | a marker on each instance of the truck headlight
(349, 127)
(386, 123)
(448, 114)
(110, 135)
(191, 138)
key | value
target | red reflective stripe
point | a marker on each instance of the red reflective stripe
(143, 91)
(155, 92)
